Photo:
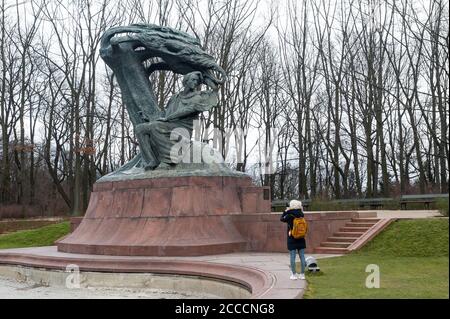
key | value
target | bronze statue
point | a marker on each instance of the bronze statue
(182, 109)
(125, 50)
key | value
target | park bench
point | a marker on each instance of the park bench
(425, 199)
(281, 204)
(373, 202)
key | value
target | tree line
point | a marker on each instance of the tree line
(350, 97)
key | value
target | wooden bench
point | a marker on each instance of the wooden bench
(283, 203)
(373, 202)
(425, 199)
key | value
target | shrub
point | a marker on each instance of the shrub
(16, 211)
(442, 206)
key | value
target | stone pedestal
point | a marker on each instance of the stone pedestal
(171, 216)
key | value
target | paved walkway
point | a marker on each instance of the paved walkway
(398, 214)
(277, 264)
(407, 214)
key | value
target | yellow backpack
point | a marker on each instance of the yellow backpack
(300, 228)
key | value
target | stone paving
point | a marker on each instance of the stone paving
(397, 214)
(408, 214)
(277, 264)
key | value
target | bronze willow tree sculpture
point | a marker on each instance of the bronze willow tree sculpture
(129, 52)
(182, 208)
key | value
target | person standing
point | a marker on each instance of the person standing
(296, 232)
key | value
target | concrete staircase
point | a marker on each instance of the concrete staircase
(353, 235)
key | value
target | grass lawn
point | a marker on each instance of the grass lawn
(413, 260)
(44, 236)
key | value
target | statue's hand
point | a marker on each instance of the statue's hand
(211, 84)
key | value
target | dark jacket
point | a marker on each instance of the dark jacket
(288, 217)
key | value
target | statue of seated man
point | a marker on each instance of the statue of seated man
(182, 109)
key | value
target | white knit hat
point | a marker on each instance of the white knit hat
(295, 204)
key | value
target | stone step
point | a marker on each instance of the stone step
(348, 234)
(354, 229)
(335, 244)
(342, 239)
(365, 220)
(359, 224)
(330, 250)
(370, 234)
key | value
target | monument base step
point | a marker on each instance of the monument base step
(178, 250)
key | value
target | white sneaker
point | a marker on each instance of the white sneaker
(301, 276)
(293, 277)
